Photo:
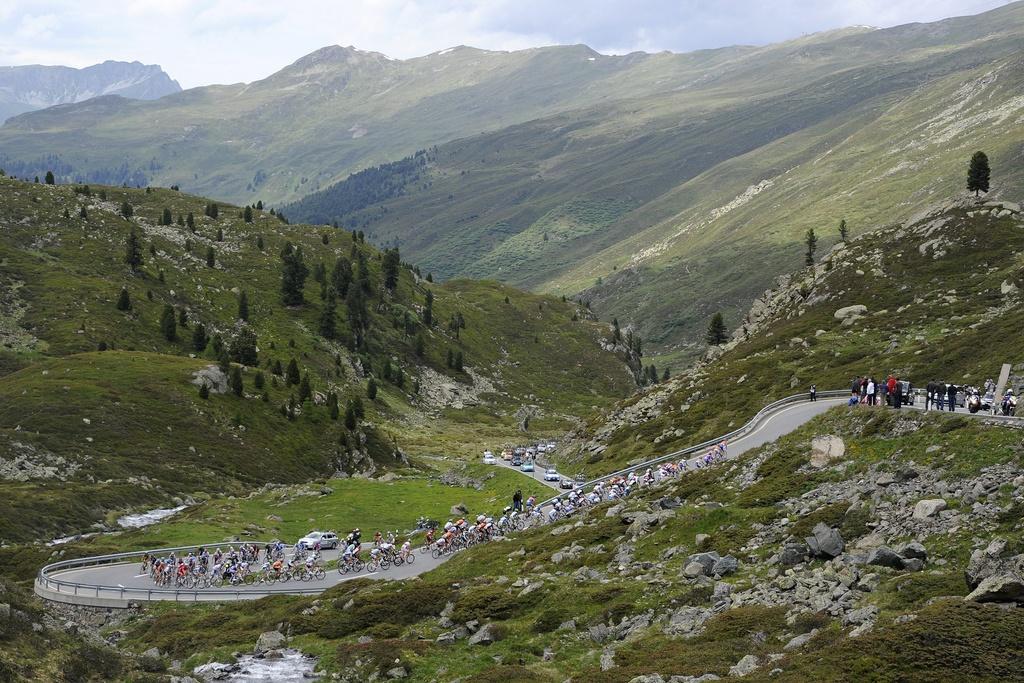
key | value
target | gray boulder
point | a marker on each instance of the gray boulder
(799, 641)
(830, 543)
(999, 588)
(270, 640)
(693, 570)
(885, 556)
(913, 550)
(793, 553)
(707, 560)
(913, 564)
(397, 672)
(449, 637)
(725, 565)
(647, 678)
(860, 616)
(459, 509)
(688, 621)
(488, 633)
(926, 509)
(745, 666)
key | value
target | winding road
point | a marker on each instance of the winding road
(115, 580)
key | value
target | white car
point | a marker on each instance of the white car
(326, 539)
(551, 474)
(489, 458)
(551, 447)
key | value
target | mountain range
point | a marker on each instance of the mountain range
(614, 179)
(28, 88)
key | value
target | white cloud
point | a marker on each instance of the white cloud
(206, 41)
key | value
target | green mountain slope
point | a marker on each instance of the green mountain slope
(673, 192)
(942, 301)
(99, 411)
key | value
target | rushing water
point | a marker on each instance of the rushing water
(146, 518)
(291, 667)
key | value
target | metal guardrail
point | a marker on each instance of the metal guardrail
(76, 588)
(746, 429)
(44, 579)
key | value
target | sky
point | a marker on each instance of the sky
(199, 42)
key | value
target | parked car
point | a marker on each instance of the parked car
(551, 474)
(567, 483)
(527, 466)
(908, 392)
(489, 458)
(326, 539)
(506, 454)
(517, 460)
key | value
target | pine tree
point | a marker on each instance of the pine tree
(199, 339)
(292, 373)
(66, 215)
(616, 332)
(217, 345)
(259, 381)
(243, 306)
(183, 319)
(204, 391)
(235, 382)
(124, 302)
(247, 215)
(350, 417)
(181, 221)
(391, 265)
(212, 211)
(224, 360)
(844, 232)
(190, 222)
(168, 325)
(305, 390)
(133, 252)
(293, 277)
(811, 241)
(358, 316)
(428, 310)
(362, 274)
(978, 174)
(665, 375)
(371, 389)
(450, 359)
(49, 178)
(259, 242)
(243, 347)
(717, 333)
(166, 218)
(430, 277)
(211, 258)
(332, 405)
(325, 239)
(220, 234)
(458, 361)
(320, 272)
(259, 205)
(277, 368)
(82, 213)
(420, 345)
(360, 409)
(328, 321)
(341, 276)
(126, 209)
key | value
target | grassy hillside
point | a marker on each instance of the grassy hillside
(942, 302)
(620, 202)
(100, 411)
(606, 599)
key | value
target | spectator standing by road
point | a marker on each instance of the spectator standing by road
(890, 385)
(940, 395)
(814, 392)
(929, 392)
(871, 391)
(517, 500)
(897, 394)
(951, 395)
